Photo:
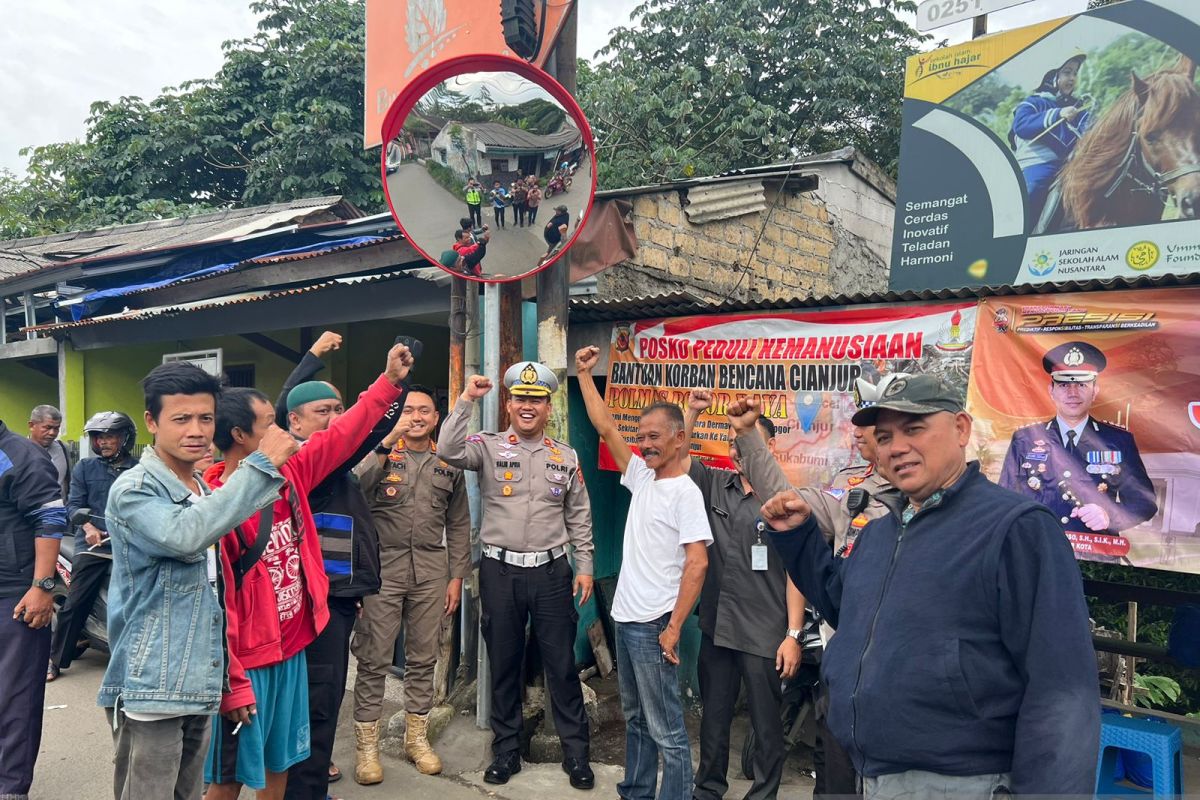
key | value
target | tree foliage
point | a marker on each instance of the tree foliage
(694, 87)
(537, 115)
(280, 120)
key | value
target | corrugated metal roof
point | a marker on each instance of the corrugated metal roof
(725, 200)
(19, 257)
(432, 274)
(680, 304)
(495, 134)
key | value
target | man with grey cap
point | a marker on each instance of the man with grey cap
(963, 664)
(534, 507)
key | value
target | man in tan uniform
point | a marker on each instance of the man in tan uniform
(857, 495)
(534, 506)
(419, 504)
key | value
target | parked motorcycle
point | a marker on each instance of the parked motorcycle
(95, 630)
(555, 186)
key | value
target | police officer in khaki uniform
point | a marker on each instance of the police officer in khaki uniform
(857, 495)
(534, 506)
(419, 505)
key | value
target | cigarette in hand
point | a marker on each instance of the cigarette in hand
(236, 728)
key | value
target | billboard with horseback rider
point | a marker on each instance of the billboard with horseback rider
(1068, 150)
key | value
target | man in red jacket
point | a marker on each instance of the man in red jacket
(276, 589)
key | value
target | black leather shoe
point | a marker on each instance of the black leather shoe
(503, 768)
(580, 772)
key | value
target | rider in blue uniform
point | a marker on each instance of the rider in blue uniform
(1045, 129)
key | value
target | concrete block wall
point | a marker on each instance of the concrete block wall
(804, 250)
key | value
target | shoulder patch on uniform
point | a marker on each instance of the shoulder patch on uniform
(474, 437)
(837, 494)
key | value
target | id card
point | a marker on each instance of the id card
(758, 557)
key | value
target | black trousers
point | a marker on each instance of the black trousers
(511, 597)
(23, 655)
(722, 672)
(328, 662)
(475, 212)
(89, 575)
(499, 213)
(836, 776)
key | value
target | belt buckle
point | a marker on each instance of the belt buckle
(530, 559)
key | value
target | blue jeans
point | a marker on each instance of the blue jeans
(650, 701)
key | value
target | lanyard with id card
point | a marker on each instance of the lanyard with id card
(758, 551)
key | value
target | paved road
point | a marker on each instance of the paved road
(76, 755)
(430, 214)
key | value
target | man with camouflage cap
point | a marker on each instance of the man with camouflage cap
(535, 508)
(963, 663)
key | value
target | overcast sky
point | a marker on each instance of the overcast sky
(57, 57)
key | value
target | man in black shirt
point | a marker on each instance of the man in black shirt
(751, 625)
(554, 233)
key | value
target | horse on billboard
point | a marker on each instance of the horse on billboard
(1144, 151)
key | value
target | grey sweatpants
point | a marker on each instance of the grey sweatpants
(920, 785)
(160, 760)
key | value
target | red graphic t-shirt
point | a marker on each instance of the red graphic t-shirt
(282, 560)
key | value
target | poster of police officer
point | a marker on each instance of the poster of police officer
(1090, 404)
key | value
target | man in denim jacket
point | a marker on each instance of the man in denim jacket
(166, 625)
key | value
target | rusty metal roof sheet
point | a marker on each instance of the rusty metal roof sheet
(678, 304)
(19, 257)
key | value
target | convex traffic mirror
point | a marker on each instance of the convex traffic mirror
(488, 167)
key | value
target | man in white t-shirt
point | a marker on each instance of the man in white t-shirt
(664, 559)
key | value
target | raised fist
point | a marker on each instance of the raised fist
(278, 445)
(586, 359)
(743, 414)
(700, 399)
(399, 362)
(477, 387)
(327, 342)
(785, 511)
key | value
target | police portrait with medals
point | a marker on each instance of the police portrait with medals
(1088, 472)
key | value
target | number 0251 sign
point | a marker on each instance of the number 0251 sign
(936, 13)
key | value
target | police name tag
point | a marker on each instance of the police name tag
(758, 557)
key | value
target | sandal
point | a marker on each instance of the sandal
(335, 774)
(52, 672)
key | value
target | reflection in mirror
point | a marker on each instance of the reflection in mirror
(489, 175)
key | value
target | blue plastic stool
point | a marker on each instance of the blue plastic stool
(1160, 741)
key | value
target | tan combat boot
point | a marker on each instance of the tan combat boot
(416, 744)
(367, 769)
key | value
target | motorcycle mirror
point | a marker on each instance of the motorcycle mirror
(461, 139)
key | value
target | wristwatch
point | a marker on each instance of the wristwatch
(45, 584)
(383, 450)
(796, 633)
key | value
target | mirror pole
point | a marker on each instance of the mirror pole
(553, 283)
(490, 422)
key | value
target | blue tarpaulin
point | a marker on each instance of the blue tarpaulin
(91, 302)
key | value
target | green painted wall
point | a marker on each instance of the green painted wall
(112, 377)
(22, 388)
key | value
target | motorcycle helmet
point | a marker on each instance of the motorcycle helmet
(111, 422)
